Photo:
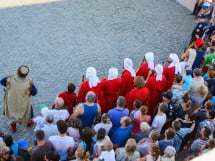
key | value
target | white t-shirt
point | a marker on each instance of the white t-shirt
(159, 121)
(107, 127)
(108, 155)
(61, 145)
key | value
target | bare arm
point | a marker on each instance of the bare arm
(78, 111)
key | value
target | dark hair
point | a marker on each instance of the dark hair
(170, 133)
(127, 122)
(207, 131)
(40, 135)
(86, 137)
(77, 123)
(8, 140)
(211, 113)
(177, 125)
(61, 126)
(163, 107)
(138, 104)
(155, 135)
(71, 87)
(101, 134)
(121, 101)
(52, 156)
(178, 78)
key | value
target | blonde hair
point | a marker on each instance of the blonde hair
(108, 145)
(80, 153)
(203, 91)
(105, 118)
(144, 109)
(130, 146)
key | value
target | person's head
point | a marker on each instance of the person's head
(208, 105)
(90, 97)
(173, 58)
(130, 146)
(8, 140)
(210, 114)
(139, 81)
(101, 134)
(201, 18)
(199, 43)
(71, 87)
(59, 102)
(169, 133)
(163, 107)
(112, 73)
(144, 126)
(50, 118)
(137, 104)
(23, 71)
(176, 125)
(197, 72)
(81, 154)
(178, 78)
(154, 151)
(108, 145)
(51, 156)
(169, 151)
(77, 124)
(61, 126)
(144, 110)
(167, 96)
(203, 91)
(40, 135)
(121, 101)
(105, 118)
(86, 136)
(125, 121)
(211, 144)
(205, 132)
(154, 135)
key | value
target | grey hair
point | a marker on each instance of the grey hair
(50, 118)
(121, 101)
(90, 96)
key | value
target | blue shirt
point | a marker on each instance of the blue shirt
(187, 82)
(163, 144)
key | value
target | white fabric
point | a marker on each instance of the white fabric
(58, 114)
(150, 60)
(107, 127)
(175, 63)
(50, 130)
(112, 73)
(159, 71)
(91, 75)
(158, 122)
(128, 65)
(108, 155)
(150, 158)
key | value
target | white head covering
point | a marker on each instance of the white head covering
(91, 75)
(128, 65)
(112, 73)
(150, 59)
(175, 63)
(159, 71)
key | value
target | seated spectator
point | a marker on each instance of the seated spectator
(144, 144)
(160, 118)
(142, 118)
(50, 129)
(121, 134)
(63, 144)
(145, 129)
(168, 139)
(42, 147)
(128, 152)
(169, 154)
(136, 112)
(154, 154)
(75, 131)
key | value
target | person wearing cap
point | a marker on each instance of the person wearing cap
(92, 83)
(146, 65)
(171, 70)
(156, 85)
(69, 98)
(127, 77)
(109, 90)
(199, 29)
(17, 99)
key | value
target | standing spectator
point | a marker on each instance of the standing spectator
(136, 112)
(169, 154)
(146, 65)
(138, 93)
(91, 84)
(86, 140)
(52, 156)
(117, 113)
(81, 155)
(42, 147)
(187, 79)
(63, 144)
(109, 90)
(197, 7)
(87, 111)
(127, 77)
(144, 133)
(13, 145)
(17, 100)
(69, 98)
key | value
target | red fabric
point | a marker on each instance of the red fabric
(109, 94)
(141, 94)
(136, 127)
(127, 83)
(86, 88)
(169, 73)
(155, 89)
(143, 70)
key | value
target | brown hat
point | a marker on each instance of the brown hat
(23, 71)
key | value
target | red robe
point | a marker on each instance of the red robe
(109, 94)
(85, 87)
(169, 73)
(141, 94)
(155, 89)
(143, 70)
(127, 83)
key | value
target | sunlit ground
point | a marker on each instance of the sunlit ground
(18, 3)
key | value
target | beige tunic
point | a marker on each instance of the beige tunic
(17, 100)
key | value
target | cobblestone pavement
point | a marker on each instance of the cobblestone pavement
(59, 40)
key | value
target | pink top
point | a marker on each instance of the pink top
(136, 128)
